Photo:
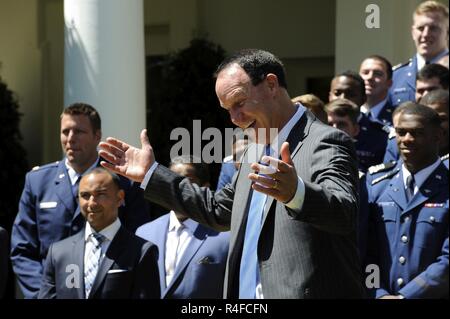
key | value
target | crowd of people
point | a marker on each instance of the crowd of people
(359, 182)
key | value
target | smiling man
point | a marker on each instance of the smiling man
(293, 231)
(105, 260)
(48, 208)
(430, 32)
(409, 211)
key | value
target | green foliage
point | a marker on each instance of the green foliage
(13, 162)
(181, 89)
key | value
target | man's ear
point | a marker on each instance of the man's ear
(272, 81)
(120, 197)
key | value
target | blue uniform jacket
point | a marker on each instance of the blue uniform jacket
(48, 212)
(385, 115)
(404, 83)
(200, 272)
(409, 241)
(370, 142)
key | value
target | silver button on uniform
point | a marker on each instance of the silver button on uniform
(400, 281)
(402, 259)
(405, 239)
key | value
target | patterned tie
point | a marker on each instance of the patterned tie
(93, 259)
(249, 270)
(173, 243)
(410, 185)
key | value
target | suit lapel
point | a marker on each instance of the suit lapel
(78, 247)
(432, 186)
(396, 191)
(118, 244)
(411, 80)
(196, 242)
(160, 241)
(295, 140)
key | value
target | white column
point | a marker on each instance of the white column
(104, 63)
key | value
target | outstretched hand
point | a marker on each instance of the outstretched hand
(278, 180)
(127, 160)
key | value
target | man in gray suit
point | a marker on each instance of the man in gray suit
(292, 223)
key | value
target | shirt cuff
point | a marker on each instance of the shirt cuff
(148, 175)
(296, 203)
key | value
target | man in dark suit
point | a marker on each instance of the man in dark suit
(4, 248)
(292, 224)
(192, 257)
(104, 260)
(430, 35)
(48, 208)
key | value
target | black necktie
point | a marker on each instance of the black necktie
(410, 187)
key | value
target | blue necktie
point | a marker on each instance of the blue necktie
(93, 259)
(249, 270)
(410, 185)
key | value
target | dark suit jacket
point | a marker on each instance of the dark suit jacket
(48, 212)
(4, 256)
(134, 259)
(200, 272)
(307, 254)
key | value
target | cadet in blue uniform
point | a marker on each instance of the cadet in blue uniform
(438, 101)
(409, 203)
(430, 35)
(371, 140)
(48, 207)
(376, 72)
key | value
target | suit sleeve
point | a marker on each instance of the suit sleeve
(331, 197)
(25, 245)
(48, 290)
(177, 193)
(147, 284)
(431, 283)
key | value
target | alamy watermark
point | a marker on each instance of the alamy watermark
(373, 17)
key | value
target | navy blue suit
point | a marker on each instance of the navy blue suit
(370, 142)
(48, 212)
(200, 272)
(409, 240)
(404, 83)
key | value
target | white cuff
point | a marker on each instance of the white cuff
(148, 175)
(296, 203)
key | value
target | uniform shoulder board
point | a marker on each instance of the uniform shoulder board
(361, 174)
(398, 66)
(387, 129)
(381, 167)
(391, 132)
(445, 157)
(388, 175)
(36, 168)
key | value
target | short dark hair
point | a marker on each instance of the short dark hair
(100, 170)
(85, 109)
(383, 60)
(439, 96)
(257, 64)
(434, 70)
(413, 108)
(343, 107)
(201, 169)
(357, 78)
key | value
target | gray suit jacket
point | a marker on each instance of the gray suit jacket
(128, 270)
(306, 254)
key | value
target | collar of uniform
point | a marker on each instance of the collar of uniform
(174, 223)
(109, 232)
(376, 109)
(421, 176)
(284, 133)
(74, 175)
(421, 61)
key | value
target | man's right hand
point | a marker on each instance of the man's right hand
(128, 160)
